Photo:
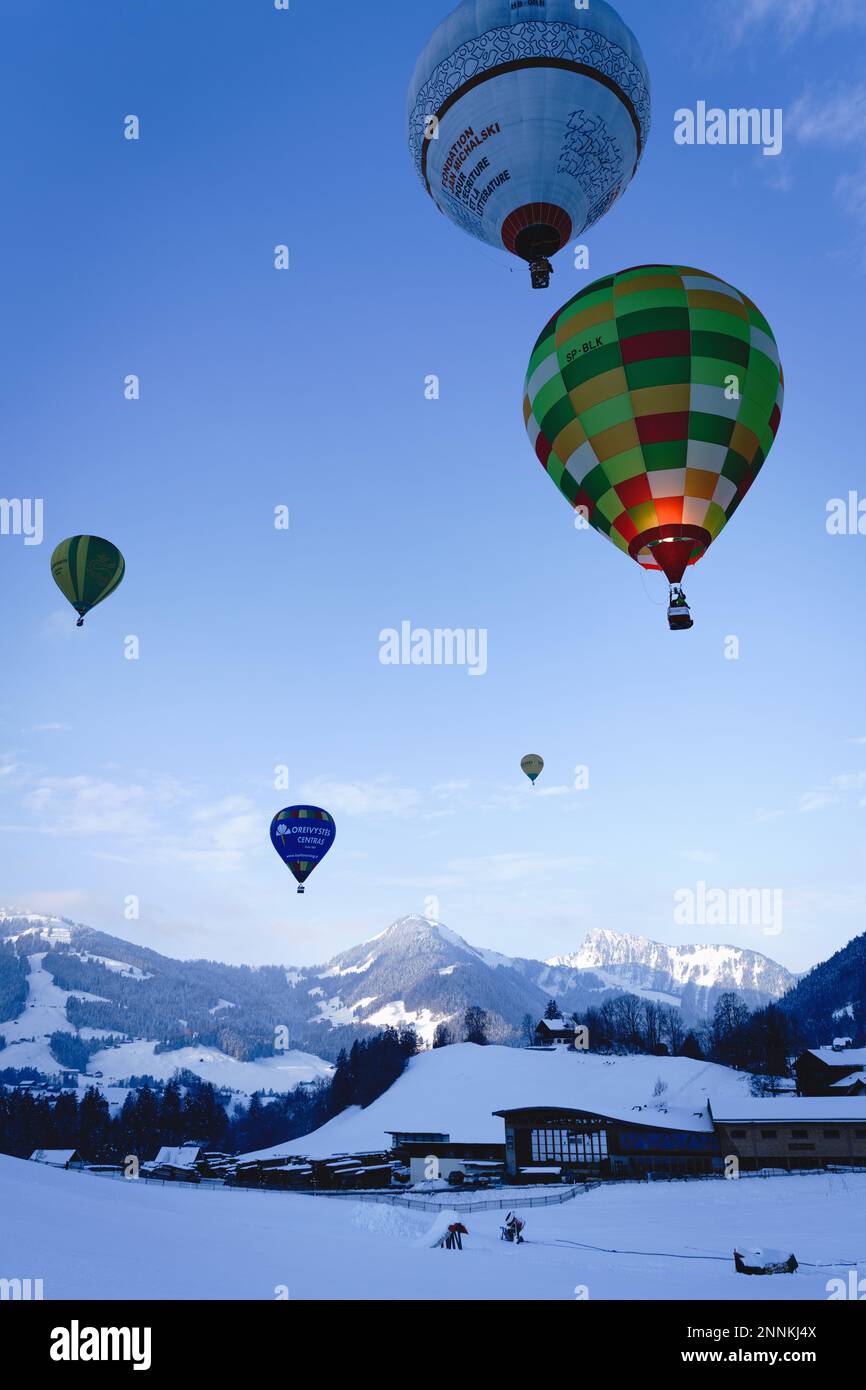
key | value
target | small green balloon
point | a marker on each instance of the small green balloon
(86, 569)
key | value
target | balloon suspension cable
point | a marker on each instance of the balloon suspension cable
(656, 602)
(541, 271)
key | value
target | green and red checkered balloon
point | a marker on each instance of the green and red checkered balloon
(652, 400)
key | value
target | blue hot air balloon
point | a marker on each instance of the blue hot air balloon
(528, 121)
(302, 836)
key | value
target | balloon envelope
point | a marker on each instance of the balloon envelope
(86, 570)
(302, 836)
(652, 400)
(527, 124)
(533, 766)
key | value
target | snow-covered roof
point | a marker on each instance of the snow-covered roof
(183, 1157)
(651, 1114)
(56, 1157)
(557, 1025)
(844, 1082)
(457, 1090)
(791, 1109)
(846, 1056)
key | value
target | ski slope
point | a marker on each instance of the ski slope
(76, 1232)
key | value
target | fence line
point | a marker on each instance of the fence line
(547, 1196)
(549, 1199)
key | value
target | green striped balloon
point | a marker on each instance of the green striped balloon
(86, 570)
(652, 400)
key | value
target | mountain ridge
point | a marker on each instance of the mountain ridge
(417, 971)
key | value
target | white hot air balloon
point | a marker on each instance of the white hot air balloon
(527, 120)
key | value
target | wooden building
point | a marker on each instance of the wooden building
(58, 1158)
(442, 1157)
(555, 1032)
(174, 1163)
(819, 1070)
(794, 1132)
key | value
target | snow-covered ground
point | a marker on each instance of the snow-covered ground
(455, 1090)
(90, 1237)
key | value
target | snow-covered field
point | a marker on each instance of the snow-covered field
(281, 1072)
(90, 1237)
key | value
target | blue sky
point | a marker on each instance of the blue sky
(260, 648)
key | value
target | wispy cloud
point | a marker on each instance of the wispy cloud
(381, 797)
(831, 114)
(789, 19)
(699, 856)
(819, 798)
(486, 873)
(146, 820)
(851, 195)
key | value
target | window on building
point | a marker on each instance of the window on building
(567, 1146)
(860, 1134)
(769, 1134)
(831, 1134)
(738, 1134)
(799, 1133)
(801, 1148)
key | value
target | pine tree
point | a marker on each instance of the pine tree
(475, 1022)
(692, 1048)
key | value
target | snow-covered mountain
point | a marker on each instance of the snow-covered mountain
(46, 1010)
(693, 976)
(155, 1014)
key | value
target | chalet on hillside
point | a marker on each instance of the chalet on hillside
(58, 1158)
(175, 1164)
(820, 1070)
(555, 1032)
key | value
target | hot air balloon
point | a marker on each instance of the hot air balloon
(527, 124)
(86, 570)
(302, 836)
(652, 400)
(533, 766)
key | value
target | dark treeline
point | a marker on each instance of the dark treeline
(474, 1027)
(762, 1042)
(832, 997)
(187, 1109)
(14, 969)
(370, 1067)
